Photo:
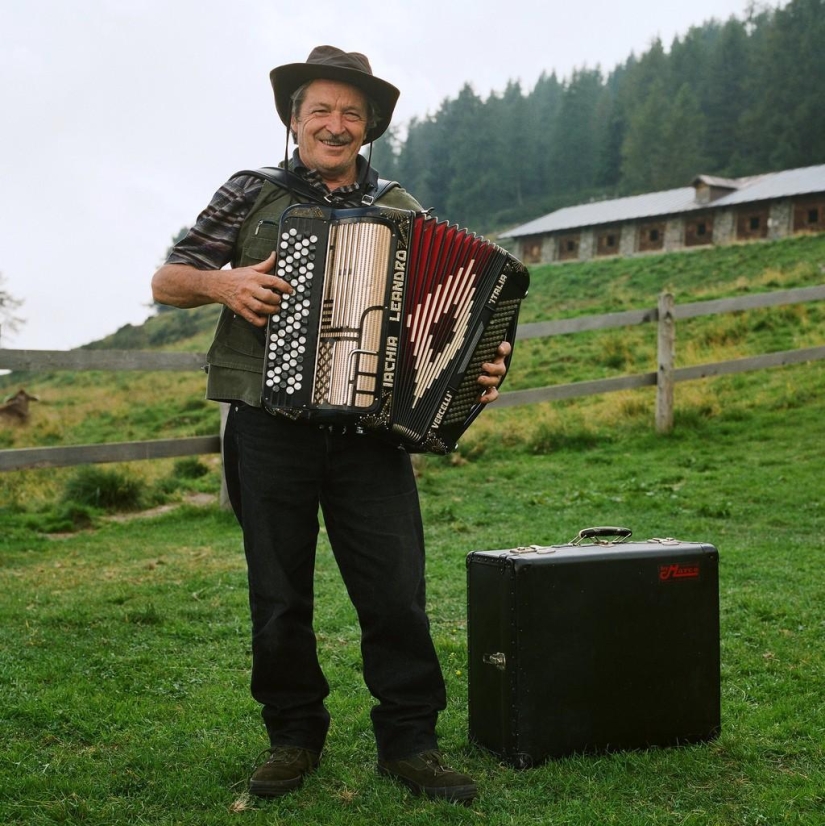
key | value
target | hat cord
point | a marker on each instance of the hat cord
(286, 143)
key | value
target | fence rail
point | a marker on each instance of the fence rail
(106, 360)
(41, 457)
(515, 398)
(665, 315)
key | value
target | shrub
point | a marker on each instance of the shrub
(190, 468)
(66, 518)
(548, 438)
(109, 490)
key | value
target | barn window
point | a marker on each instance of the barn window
(699, 231)
(651, 236)
(754, 222)
(568, 246)
(809, 215)
(607, 241)
(531, 250)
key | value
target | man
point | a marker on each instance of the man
(280, 471)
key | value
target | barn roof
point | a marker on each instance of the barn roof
(769, 186)
(784, 184)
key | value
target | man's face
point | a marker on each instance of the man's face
(331, 126)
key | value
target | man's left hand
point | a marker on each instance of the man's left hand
(493, 373)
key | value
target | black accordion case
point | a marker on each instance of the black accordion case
(592, 646)
(393, 314)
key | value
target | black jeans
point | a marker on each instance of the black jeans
(278, 473)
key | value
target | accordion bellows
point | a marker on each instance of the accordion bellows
(392, 316)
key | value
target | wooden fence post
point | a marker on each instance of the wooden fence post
(666, 354)
(224, 496)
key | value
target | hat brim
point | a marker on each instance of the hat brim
(287, 79)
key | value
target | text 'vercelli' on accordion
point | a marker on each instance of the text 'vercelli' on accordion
(392, 315)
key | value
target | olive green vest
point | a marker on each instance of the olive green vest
(236, 357)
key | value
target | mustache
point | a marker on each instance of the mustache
(337, 140)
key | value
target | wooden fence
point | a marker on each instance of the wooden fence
(666, 314)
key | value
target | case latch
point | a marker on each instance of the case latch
(497, 660)
(532, 549)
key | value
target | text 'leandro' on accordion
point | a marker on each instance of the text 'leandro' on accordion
(393, 314)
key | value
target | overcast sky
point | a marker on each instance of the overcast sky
(120, 118)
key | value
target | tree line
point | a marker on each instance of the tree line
(731, 98)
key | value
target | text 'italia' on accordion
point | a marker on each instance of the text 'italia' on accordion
(393, 314)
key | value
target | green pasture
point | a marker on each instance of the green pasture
(125, 647)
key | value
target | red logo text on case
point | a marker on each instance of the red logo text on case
(674, 571)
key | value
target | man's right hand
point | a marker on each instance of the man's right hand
(253, 293)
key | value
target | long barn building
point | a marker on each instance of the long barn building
(711, 211)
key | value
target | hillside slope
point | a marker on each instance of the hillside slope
(78, 408)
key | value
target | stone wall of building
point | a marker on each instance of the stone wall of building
(674, 234)
(780, 223)
(724, 226)
(548, 249)
(587, 245)
(628, 240)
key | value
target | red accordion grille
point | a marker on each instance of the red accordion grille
(446, 288)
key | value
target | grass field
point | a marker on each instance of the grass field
(124, 650)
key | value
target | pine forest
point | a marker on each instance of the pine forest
(734, 98)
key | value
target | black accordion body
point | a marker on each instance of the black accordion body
(393, 314)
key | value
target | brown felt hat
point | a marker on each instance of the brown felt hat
(329, 63)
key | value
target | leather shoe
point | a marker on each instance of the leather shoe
(427, 774)
(283, 771)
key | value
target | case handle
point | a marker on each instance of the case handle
(599, 534)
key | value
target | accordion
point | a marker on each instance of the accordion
(392, 315)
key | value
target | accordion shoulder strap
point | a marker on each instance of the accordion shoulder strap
(294, 183)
